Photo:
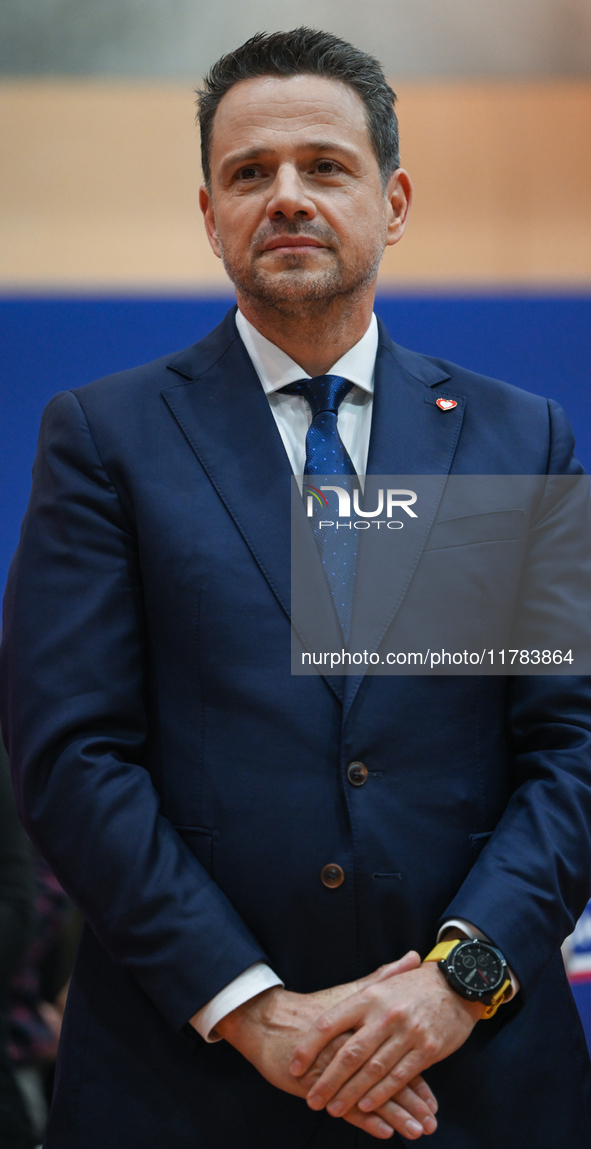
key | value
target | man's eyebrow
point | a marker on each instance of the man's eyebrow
(255, 153)
(243, 156)
(330, 146)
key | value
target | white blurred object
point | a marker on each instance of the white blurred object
(576, 949)
(31, 1086)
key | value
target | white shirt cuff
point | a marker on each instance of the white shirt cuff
(254, 980)
(473, 932)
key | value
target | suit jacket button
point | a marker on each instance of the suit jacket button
(332, 876)
(357, 773)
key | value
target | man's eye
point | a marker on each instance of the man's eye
(248, 173)
(326, 167)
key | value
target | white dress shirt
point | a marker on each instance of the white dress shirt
(292, 415)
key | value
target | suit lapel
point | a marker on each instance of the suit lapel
(224, 413)
(410, 436)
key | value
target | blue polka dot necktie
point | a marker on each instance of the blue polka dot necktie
(326, 455)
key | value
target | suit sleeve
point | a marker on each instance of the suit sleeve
(533, 878)
(74, 660)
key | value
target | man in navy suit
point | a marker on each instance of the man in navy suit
(261, 856)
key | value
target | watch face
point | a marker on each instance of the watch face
(477, 967)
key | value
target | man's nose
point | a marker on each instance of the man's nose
(289, 197)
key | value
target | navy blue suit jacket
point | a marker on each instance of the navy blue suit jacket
(188, 790)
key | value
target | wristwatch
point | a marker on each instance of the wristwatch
(475, 969)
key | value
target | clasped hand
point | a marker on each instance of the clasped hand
(358, 1049)
(397, 1027)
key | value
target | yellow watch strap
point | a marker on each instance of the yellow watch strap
(498, 999)
(442, 950)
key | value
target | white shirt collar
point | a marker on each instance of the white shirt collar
(275, 369)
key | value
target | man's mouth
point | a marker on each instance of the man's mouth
(292, 243)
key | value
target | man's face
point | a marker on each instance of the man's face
(297, 210)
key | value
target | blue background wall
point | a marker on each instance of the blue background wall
(46, 345)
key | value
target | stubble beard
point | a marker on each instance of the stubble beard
(295, 291)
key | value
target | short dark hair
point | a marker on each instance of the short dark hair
(305, 51)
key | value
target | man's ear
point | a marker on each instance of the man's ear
(206, 205)
(399, 197)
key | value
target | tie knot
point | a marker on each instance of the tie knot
(323, 392)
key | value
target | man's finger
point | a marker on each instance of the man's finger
(359, 1064)
(391, 1084)
(408, 961)
(372, 1123)
(399, 1118)
(389, 1069)
(411, 1100)
(413, 1107)
(409, 1113)
(424, 1091)
(394, 1118)
(410, 1124)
